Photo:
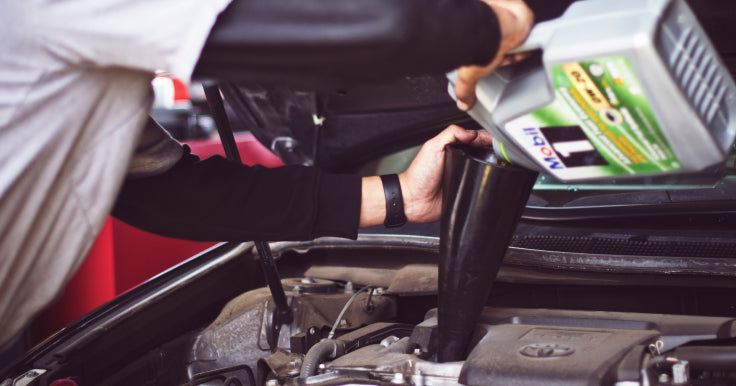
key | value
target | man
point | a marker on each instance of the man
(75, 94)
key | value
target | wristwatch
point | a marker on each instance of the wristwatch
(395, 216)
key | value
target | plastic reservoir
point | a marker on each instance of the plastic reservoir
(621, 88)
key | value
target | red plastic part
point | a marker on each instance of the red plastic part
(64, 382)
(181, 92)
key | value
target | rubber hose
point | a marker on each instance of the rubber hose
(328, 348)
(708, 358)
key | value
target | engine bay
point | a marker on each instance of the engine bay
(210, 322)
(509, 345)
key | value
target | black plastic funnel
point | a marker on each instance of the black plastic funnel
(483, 200)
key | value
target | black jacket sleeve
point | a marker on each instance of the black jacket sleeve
(219, 200)
(368, 39)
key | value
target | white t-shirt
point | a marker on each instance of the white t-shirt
(74, 93)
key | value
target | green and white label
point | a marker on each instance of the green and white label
(599, 125)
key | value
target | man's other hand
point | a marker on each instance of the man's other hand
(515, 21)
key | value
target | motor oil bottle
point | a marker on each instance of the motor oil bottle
(618, 88)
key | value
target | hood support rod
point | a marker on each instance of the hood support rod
(282, 313)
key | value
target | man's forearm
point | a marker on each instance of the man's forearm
(372, 203)
(219, 200)
(350, 38)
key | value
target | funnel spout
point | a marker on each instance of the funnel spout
(483, 200)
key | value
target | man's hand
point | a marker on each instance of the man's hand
(421, 183)
(515, 20)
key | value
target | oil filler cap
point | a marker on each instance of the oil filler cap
(309, 285)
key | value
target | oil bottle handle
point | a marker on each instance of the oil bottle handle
(507, 94)
(538, 37)
(505, 83)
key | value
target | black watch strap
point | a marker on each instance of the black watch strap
(395, 216)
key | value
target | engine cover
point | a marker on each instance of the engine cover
(538, 346)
